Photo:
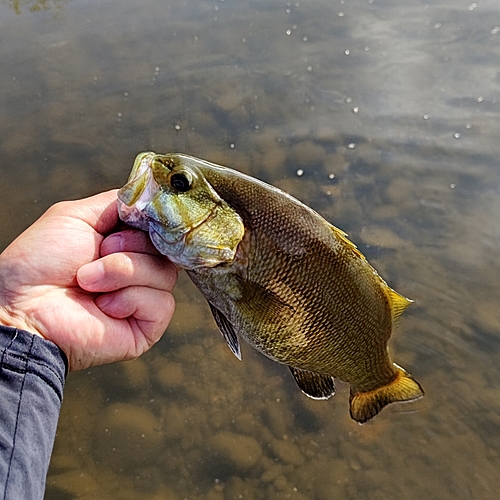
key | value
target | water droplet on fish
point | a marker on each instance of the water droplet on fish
(351, 145)
(300, 173)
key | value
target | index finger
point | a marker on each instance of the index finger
(99, 211)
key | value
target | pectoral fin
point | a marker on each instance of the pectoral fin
(314, 385)
(227, 331)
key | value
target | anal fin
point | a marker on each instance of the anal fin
(315, 385)
(365, 405)
(227, 330)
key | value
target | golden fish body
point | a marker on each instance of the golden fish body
(275, 273)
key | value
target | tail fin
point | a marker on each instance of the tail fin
(365, 405)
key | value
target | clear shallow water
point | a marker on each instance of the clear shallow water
(400, 102)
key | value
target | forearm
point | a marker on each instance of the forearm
(32, 375)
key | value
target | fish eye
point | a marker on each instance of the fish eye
(180, 182)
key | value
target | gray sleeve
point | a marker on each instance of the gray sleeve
(32, 376)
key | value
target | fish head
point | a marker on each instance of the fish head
(168, 196)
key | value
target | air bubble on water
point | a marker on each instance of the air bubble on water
(331, 176)
(231, 145)
(288, 32)
(157, 69)
(244, 40)
(468, 126)
(341, 14)
(195, 38)
(288, 11)
(300, 172)
(348, 100)
(119, 115)
(426, 117)
(480, 99)
(125, 94)
(143, 436)
(294, 27)
(367, 49)
(256, 127)
(309, 68)
(453, 186)
(304, 38)
(177, 127)
(456, 135)
(328, 193)
(355, 110)
(472, 6)
(351, 145)
(495, 30)
(347, 52)
(437, 25)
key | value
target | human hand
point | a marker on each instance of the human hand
(100, 296)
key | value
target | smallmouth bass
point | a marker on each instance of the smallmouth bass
(276, 274)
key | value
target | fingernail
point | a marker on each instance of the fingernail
(89, 274)
(113, 243)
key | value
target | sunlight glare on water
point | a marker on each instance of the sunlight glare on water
(384, 117)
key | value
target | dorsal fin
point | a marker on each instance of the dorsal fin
(398, 303)
(343, 237)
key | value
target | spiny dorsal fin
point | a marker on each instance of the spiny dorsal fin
(343, 237)
(315, 385)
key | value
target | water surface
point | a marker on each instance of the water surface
(382, 115)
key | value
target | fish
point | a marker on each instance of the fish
(276, 274)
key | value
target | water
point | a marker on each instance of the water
(383, 116)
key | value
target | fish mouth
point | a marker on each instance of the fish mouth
(135, 196)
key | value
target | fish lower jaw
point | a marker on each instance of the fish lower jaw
(133, 216)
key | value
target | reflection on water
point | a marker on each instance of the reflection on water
(389, 112)
(35, 5)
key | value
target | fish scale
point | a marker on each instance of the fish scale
(278, 275)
